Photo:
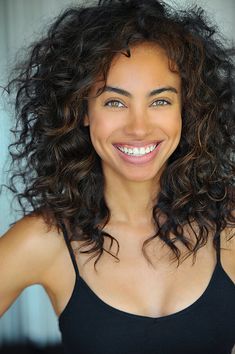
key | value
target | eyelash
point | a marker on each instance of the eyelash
(160, 100)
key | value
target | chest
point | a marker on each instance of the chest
(134, 288)
(132, 285)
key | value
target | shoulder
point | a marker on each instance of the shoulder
(228, 240)
(31, 243)
(228, 251)
(229, 234)
(28, 251)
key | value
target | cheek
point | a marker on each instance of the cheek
(177, 121)
(103, 126)
(177, 127)
(100, 132)
(171, 124)
(176, 131)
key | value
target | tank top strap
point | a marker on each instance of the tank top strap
(218, 249)
(71, 252)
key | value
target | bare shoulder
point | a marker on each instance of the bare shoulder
(32, 239)
(27, 251)
(228, 240)
(228, 252)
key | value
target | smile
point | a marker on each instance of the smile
(137, 154)
(137, 151)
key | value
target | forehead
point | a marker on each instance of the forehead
(148, 65)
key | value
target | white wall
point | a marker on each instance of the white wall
(220, 11)
(21, 21)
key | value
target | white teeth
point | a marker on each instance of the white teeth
(137, 151)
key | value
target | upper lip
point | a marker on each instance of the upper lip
(138, 143)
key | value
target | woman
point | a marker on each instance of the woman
(126, 126)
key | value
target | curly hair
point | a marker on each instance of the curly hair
(53, 155)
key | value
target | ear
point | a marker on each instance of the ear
(86, 121)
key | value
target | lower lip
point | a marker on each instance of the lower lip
(139, 160)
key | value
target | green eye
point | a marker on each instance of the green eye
(161, 103)
(114, 104)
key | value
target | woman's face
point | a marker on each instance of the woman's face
(135, 125)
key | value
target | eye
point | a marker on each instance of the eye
(161, 102)
(114, 104)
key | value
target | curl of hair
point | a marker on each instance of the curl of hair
(53, 155)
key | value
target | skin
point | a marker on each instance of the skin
(138, 120)
(32, 254)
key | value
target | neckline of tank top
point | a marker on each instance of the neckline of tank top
(80, 281)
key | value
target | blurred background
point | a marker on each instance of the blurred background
(30, 325)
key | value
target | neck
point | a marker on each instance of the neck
(131, 202)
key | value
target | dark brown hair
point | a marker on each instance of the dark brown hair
(53, 156)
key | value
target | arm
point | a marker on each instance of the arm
(26, 253)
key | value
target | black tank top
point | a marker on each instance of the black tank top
(88, 325)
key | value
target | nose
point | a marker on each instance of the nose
(138, 124)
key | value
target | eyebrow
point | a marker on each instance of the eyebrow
(120, 91)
